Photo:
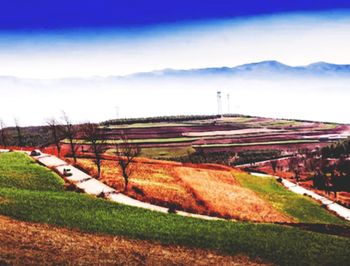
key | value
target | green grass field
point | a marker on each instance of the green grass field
(166, 152)
(302, 208)
(281, 123)
(272, 243)
(327, 126)
(239, 119)
(164, 140)
(161, 152)
(290, 246)
(282, 142)
(18, 170)
(150, 125)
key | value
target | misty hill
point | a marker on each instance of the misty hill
(265, 69)
(260, 69)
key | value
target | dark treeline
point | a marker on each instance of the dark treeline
(202, 157)
(35, 136)
(337, 150)
(250, 156)
(30, 136)
(328, 168)
(179, 118)
(333, 176)
(183, 118)
(229, 158)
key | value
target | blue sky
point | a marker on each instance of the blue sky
(66, 14)
(294, 38)
(51, 49)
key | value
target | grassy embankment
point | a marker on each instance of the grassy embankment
(274, 243)
(302, 208)
(20, 171)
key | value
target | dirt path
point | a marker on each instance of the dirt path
(24, 243)
(261, 162)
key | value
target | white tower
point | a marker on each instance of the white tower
(117, 109)
(219, 103)
(228, 103)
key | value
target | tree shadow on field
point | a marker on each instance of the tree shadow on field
(330, 229)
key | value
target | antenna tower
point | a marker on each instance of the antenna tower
(219, 102)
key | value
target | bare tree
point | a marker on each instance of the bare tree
(56, 133)
(312, 164)
(92, 134)
(126, 152)
(274, 164)
(19, 133)
(3, 135)
(293, 163)
(296, 164)
(70, 133)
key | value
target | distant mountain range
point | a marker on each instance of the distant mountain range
(265, 70)
(260, 69)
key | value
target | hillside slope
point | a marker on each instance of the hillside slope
(24, 243)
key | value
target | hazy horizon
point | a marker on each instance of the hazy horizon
(97, 99)
(71, 63)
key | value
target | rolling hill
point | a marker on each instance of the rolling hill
(259, 69)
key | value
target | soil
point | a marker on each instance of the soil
(24, 243)
(226, 198)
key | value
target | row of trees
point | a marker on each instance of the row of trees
(337, 150)
(330, 174)
(228, 157)
(179, 118)
(94, 138)
(5, 138)
(30, 136)
(54, 132)
(91, 135)
(125, 150)
(64, 130)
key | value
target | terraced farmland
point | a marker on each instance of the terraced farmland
(219, 134)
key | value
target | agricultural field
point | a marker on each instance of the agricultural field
(172, 139)
(166, 152)
(161, 152)
(212, 190)
(51, 211)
